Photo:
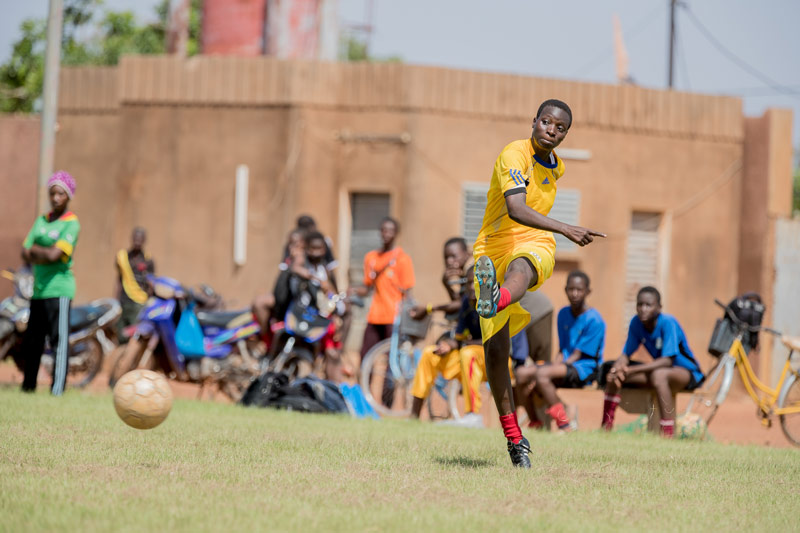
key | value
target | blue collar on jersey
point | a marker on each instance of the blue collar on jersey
(553, 162)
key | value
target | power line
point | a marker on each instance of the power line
(735, 59)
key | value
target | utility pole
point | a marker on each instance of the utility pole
(673, 4)
(52, 63)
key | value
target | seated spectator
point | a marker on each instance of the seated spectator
(581, 335)
(672, 369)
(458, 356)
(456, 278)
(307, 225)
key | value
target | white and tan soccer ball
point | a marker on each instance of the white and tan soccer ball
(691, 426)
(142, 398)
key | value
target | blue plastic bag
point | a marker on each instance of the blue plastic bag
(189, 334)
(356, 402)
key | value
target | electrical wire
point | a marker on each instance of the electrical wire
(766, 80)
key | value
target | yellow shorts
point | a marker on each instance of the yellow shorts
(541, 258)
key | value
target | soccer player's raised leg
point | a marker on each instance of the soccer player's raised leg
(518, 278)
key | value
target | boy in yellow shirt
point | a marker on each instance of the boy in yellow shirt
(515, 251)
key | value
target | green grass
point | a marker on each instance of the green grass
(70, 464)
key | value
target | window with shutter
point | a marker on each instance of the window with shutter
(566, 209)
(641, 263)
(367, 210)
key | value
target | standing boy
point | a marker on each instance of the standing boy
(49, 247)
(673, 368)
(515, 250)
(581, 335)
(133, 267)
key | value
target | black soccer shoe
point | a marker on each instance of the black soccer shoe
(489, 290)
(519, 453)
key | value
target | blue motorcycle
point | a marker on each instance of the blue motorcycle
(203, 347)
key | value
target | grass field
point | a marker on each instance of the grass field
(69, 464)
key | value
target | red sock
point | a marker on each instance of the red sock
(511, 427)
(558, 414)
(505, 300)
(609, 410)
(667, 428)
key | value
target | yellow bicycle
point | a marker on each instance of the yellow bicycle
(782, 401)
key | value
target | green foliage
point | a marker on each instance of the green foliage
(22, 76)
(355, 49)
(69, 464)
(90, 36)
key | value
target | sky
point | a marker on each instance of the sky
(733, 47)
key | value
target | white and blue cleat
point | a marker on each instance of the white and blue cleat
(489, 289)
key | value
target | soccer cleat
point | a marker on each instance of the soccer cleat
(489, 293)
(519, 453)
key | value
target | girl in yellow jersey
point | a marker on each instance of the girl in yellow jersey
(515, 250)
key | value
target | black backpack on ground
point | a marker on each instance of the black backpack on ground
(308, 395)
(265, 389)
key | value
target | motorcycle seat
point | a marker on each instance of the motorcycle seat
(82, 316)
(223, 319)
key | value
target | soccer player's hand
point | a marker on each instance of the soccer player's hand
(579, 235)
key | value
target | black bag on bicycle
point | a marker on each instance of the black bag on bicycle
(748, 309)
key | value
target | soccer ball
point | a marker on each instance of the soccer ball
(690, 426)
(142, 398)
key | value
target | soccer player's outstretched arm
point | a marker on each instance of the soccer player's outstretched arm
(520, 213)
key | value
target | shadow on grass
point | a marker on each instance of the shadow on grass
(462, 462)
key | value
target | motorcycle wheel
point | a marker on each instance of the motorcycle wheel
(131, 355)
(92, 356)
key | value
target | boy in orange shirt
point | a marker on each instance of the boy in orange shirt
(389, 275)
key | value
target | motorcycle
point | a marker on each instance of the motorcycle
(308, 319)
(91, 330)
(219, 353)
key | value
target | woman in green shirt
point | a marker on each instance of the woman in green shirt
(49, 247)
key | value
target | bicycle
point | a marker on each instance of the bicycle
(388, 368)
(782, 401)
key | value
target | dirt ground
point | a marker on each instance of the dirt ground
(736, 421)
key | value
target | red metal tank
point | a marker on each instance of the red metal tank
(233, 27)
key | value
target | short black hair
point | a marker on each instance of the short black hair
(650, 290)
(461, 241)
(578, 274)
(393, 221)
(558, 104)
(314, 236)
(305, 222)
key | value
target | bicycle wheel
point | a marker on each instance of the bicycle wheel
(790, 423)
(85, 366)
(388, 394)
(706, 400)
(443, 400)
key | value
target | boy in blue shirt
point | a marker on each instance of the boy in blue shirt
(673, 368)
(581, 335)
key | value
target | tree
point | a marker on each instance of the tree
(114, 33)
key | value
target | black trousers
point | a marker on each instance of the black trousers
(49, 319)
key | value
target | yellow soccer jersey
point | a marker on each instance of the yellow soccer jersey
(518, 170)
